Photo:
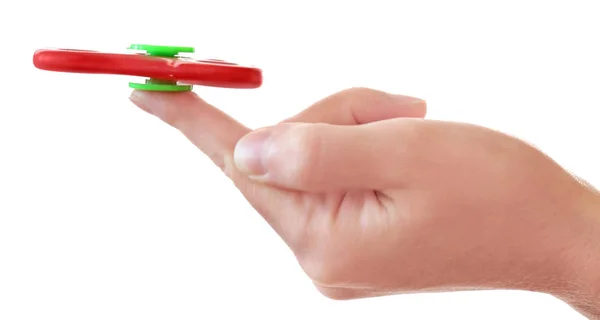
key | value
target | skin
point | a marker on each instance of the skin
(374, 200)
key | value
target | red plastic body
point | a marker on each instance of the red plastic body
(214, 73)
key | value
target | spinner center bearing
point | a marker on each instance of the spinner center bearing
(163, 52)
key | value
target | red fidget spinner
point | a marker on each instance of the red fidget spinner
(164, 66)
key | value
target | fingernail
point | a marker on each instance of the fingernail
(251, 151)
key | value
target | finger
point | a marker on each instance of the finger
(212, 131)
(215, 134)
(360, 106)
(323, 157)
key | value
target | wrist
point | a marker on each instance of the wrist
(583, 291)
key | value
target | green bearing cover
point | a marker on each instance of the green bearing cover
(161, 51)
(158, 85)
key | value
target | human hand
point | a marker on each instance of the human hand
(375, 200)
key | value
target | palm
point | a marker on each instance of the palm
(333, 229)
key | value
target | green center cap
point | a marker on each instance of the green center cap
(161, 51)
(164, 52)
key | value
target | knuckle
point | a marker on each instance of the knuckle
(358, 97)
(358, 91)
(171, 117)
(356, 94)
(176, 118)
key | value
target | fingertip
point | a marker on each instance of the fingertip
(145, 97)
(138, 98)
(170, 107)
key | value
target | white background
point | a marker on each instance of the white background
(107, 213)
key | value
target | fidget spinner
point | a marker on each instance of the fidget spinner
(166, 68)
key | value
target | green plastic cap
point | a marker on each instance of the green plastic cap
(161, 51)
(159, 85)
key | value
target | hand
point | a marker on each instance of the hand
(375, 200)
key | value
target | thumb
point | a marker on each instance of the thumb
(317, 157)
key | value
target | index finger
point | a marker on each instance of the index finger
(211, 130)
